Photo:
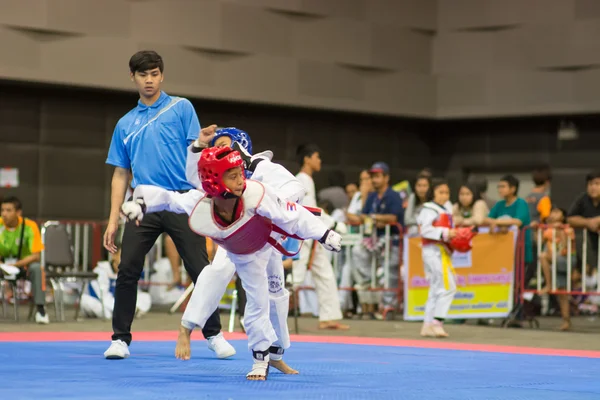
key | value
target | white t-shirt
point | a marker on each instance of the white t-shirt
(310, 198)
(355, 207)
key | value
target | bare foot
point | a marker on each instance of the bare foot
(333, 325)
(283, 367)
(427, 330)
(439, 331)
(183, 349)
(566, 325)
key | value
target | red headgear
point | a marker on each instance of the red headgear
(462, 241)
(213, 164)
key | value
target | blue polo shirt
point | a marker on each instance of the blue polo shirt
(152, 142)
(390, 203)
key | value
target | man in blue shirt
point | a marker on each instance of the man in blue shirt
(151, 141)
(382, 207)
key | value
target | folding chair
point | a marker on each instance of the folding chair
(58, 261)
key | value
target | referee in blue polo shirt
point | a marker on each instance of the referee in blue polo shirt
(151, 141)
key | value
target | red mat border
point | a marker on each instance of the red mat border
(423, 344)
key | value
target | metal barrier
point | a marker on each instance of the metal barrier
(350, 240)
(522, 291)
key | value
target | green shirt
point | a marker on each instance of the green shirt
(10, 238)
(519, 209)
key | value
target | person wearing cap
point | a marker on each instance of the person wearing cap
(382, 207)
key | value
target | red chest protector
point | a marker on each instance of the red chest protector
(248, 233)
(443, 220)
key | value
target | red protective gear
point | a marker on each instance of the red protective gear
(213, 164)
(443, 221)
(462, 241)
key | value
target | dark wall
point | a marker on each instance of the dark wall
(518, 145)
(58, 138)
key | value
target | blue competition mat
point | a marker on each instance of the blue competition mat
(77, 370)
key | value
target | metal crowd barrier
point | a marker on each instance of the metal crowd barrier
(349, 240)
(522, 292)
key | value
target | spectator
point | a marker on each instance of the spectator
(415, 204)
(482, 187)
(585, 213)
(511, 211)
(383, 207)
(351, 190)
(335, 192)
(358, 200)
(539, 198)
(557, 219)
(471, 209)
(21, 246)
(98, 300)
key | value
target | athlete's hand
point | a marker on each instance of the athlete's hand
(134, 210)
(207, 134)
(109, 237)
(332, 241)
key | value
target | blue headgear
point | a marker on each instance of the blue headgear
(236, 135)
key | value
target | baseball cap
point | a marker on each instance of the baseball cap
(380, 166)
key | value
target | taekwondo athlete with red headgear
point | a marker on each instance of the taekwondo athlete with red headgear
(244, 217)
(219, 273)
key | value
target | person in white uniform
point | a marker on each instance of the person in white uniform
(436, 230)
(321, 269)
(98, 299)
(247, 219)
(219, 273)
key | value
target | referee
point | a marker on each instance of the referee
(151, 140)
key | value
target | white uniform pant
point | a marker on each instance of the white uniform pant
(439, 272)
(92, 307)
(267, 307)
(324, 278)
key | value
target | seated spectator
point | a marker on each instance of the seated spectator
(415, 204)
(21, 246)
(98, 300)
(470, 210)
(585, 213)
(563, 235)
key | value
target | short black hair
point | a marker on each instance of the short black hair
(512, 182)
(591, 176)
(306, 150)
(433, 184)
(541, 175)
(145, 60)
(14, 201)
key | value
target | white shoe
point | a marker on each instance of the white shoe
(118, 350)
(220, 346)
(42, 320)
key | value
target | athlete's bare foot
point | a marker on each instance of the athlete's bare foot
(427, 330)
(566, 325)
(333, 325)
(283, 367)
(259, 372)
(183, 349)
